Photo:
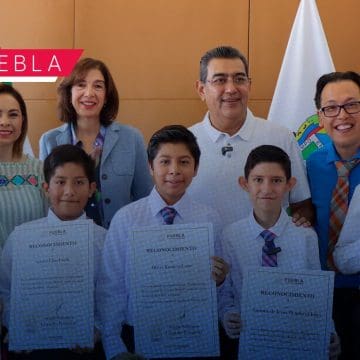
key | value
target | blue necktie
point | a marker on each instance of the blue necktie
(269, 257)
(168, 214)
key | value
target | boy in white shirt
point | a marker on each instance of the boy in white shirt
(69, 182)
(267, 180)
(173, 156)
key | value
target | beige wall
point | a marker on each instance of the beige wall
(153, 48)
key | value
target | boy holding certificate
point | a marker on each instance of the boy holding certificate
(173, 156)
(69, 183)
(268, 236)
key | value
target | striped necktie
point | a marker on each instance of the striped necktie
(269, 257)
(168, 214)
(339, 206)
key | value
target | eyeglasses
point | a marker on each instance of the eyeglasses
(334, 110)
(220, 81)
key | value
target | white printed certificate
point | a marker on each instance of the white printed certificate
(52, 287)
(286, 315)
(173, 295)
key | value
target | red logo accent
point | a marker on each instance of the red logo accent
(38, 62)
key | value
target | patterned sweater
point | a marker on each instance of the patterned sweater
(21, 195)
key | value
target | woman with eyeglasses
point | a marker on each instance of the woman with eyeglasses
(88, 103)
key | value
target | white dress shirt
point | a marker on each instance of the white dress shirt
(7, 257)
(216, 183)
(242, 248)
(113, 294)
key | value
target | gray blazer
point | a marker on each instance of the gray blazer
(124, 172)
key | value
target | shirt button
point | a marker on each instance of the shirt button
(107, 201)
(104, 176)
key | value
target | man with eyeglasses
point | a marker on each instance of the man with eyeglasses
(227, 134)
(334, 173)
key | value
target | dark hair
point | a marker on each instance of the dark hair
(221, 52)
(67, 153)
(334, 77)
(268, 154)
(173, 134)
(18, 145)
(66, 111)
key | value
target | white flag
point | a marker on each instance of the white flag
(307, 57)
(27, 149)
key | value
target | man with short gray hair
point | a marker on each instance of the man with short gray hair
(227, 134)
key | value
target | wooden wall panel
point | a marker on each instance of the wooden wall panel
(153, 48)
(37, 24)
(259, 107)
(153, 51)
(342, 26)
(270, 25)
(42, 117)
(150, 115)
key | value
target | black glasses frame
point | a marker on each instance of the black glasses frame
(339, 107)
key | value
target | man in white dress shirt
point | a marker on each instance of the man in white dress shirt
(227, 134)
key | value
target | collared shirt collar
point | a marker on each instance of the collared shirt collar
(52, 218)
(332, 154)
(277, 229)
(74, 140)
(99, 141)
(157, 203)
(243, 133)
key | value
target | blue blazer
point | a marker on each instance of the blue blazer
(124, 172)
